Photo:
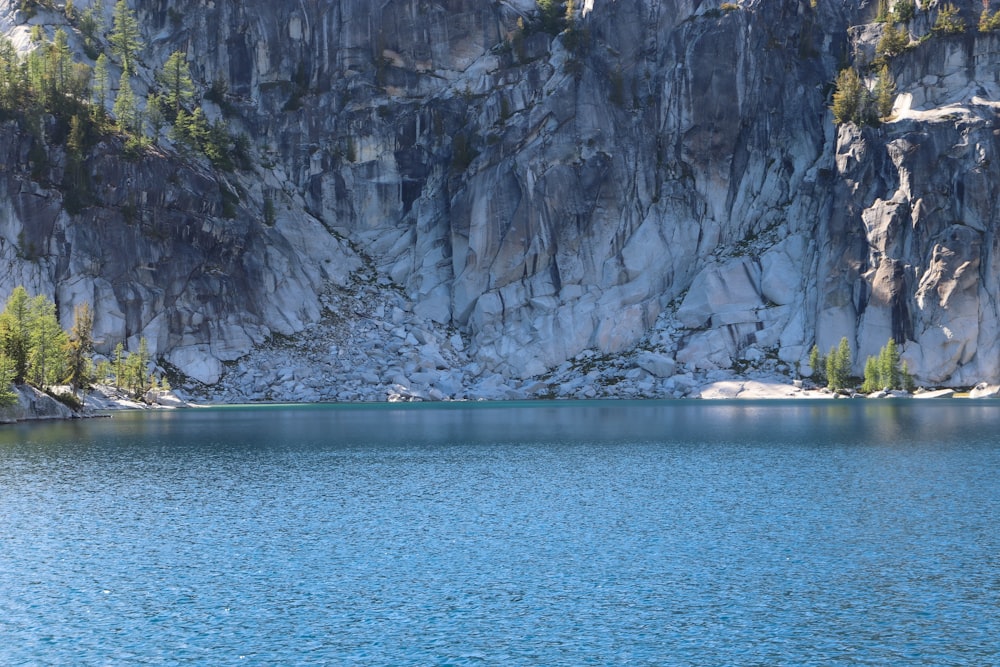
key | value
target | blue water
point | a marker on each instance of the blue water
(660, 533)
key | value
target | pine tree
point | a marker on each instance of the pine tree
(47, 357)
(126, 109)
(893, 42)
(817, 363)
(178, 88)
(118, 365)
(948, 21)
(872, 381)
(903, 11)
(849, 98)
(15, 333)
(888, 365)
(125, 38)
(100, 89)
(886, 371)
(838, 366)
(551, 13)
(81, 347)
(7, 395)
(137, 376)
(885, 93)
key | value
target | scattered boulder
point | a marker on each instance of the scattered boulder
(985, 390)
(658, 365)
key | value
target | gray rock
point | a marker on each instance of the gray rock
(658, 365)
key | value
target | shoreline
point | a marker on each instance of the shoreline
(102, 402)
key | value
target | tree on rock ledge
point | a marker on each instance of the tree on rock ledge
(850, 99)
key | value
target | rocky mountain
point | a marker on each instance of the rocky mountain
(472, 198)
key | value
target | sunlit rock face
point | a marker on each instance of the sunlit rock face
(537, 195)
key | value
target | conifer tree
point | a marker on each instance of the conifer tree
(893, 42)
(47, 357)
(126, 109)
(7, 395)
(118, 365)
(178, 88)
(15, 333)
(81, 347)
(838, 366)
(817, 363)
(949, 21)
(125, 38)
(849, 98)
(885, 92)
(100, 88)
(551, 13)
(885, 371)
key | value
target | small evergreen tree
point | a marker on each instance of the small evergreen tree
(882, 13)
(903, 11)
(893, 42)
(838, 366)
(885, 93)
(100, 87)
(118, 365)
(137, 377)
(7, 395)
(885, 371)
(948, 21)
(81, 347)
(126, 108)
(47, 360)
(125, 38)
(849, 98)
(989, 22)
(15, 333)
(872, 379)
(551, 13)
(817, 363)
(178, 88)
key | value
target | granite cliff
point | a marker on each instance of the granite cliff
(461, 198)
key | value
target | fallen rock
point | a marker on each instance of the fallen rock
(939, 393)
(985, 390)
(658, 365)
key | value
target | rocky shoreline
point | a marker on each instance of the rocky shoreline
(34, 405)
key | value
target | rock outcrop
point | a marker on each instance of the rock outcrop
(452, 199)
(33, 405)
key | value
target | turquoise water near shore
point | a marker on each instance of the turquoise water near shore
(602, 533)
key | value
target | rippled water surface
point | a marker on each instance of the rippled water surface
(680, 533)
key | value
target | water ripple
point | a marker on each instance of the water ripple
(585, 534)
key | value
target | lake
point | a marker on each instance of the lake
(577, 533)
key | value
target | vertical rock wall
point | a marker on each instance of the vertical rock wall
(663, 165)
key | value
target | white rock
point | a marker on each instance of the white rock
(984, 390)
(197, 362)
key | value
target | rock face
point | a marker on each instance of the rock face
(445, 190)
